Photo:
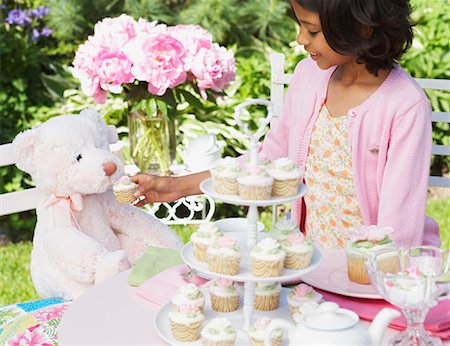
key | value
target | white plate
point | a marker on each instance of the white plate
(331, 276)
(162, 323)
(245, 274)
(207, 187)
(233, 224)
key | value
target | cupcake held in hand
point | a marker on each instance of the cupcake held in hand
(218, 332)
(286, 177)
(298, 250)
(203, 238)
(224, 295)
(365, 241)
(257, 332)
(267, 258)
(267, 295)
(300, 295)
(123, 190)
(189, 294)
(186, 323)
(224, 256)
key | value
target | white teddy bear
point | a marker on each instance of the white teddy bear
(82, 235)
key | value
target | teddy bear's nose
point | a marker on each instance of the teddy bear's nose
(109, 168)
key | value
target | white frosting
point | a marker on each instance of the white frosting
(267, 288)
(221, 249)
(407, 289)
(124, 184)
(296, 300)
(206, 233)
(222, 291)
(182, 318)
(304, 247)
(285, 227)
(283, 169)
(260, 180)
(268, 249)
(228, 167)
(304, 308)
(258, 330)
(189, 294)
(351, 249)
(219, 329)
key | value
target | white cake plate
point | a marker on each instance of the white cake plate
(162, 323)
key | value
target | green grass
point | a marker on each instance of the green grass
(16, 285)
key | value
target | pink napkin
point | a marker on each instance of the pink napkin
(437, 321)
(160, 288)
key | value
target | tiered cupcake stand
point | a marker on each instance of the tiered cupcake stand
(243, 317)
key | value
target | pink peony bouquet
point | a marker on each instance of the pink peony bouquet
(124, 52)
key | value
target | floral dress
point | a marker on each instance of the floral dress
(331, 203)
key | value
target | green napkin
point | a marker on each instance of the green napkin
(153, 261)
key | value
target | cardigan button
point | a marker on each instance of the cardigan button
(353, 113)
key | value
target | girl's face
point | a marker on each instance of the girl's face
(311, 37)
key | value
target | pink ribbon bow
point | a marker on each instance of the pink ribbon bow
(63, 208)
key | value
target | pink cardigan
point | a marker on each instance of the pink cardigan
(390, 140)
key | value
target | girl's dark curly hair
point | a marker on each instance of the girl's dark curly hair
(378, 32)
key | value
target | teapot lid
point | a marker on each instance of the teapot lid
(330, 317)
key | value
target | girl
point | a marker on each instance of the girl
(356, 123)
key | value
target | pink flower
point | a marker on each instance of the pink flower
(114, 33)
(302, 290)
(30, 338)
(188, 309)
(262, 323)
(194, 38)
(113, 70)
(158, 60)
(214, 68)
(226, 241)
(150, 28)
(51, 313)
(224, 283)
(296, 238)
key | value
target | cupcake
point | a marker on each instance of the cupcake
(286, 177)
(224, 295)
(365, 241)
(123, 190)
(203, 238)
(256, 185)
(298, 250)
(267, 295)
(225, 176)
(189, 294)
(224, 256)
(283, 228)
(302, 309)
(186, 323)
(301, 294)
(218, 332)
(267, 258)
(258, 330)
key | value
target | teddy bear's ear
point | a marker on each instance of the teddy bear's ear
(24, 147)
(93, 115)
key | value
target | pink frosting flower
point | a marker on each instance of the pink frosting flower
(371, 233)
(158, 60)
(302, 290)
(226, 241)
(29, 337)
(296, 238)
(188, 309)
(262, 323)
(224, 283)
(214, 68)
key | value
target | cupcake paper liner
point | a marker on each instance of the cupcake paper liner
(200, 252)
(224, 265)
(258, 342)
(267, 303)
(226, 186)
(266, 268)
(186, 332)
(295, 260)
(285, 188)
(224, 304)
(217, 343)
(125, 197)
(255, 192)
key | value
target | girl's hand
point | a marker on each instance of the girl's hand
(155, 188)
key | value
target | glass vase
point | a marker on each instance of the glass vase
(152, 142)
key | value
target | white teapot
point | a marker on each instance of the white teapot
(331, 325)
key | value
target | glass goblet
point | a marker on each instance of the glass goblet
(412, 283)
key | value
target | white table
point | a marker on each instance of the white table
(113, 314)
